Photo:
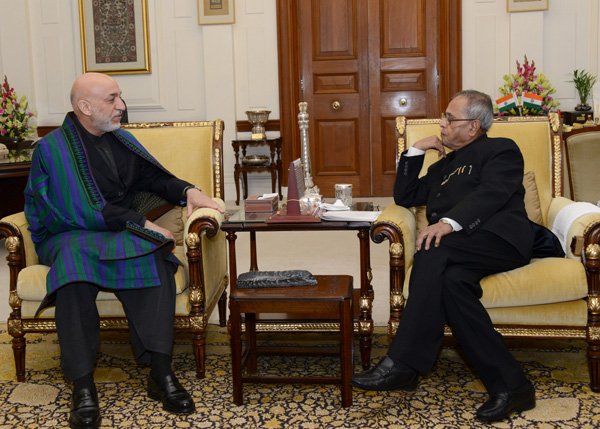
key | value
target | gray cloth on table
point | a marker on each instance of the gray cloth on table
(288, 278)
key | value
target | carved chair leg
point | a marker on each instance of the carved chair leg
(223, 309)
(199, 344)
(18, 345)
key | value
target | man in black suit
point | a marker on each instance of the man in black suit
(477, 226)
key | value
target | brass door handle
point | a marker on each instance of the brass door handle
(336, 105)
(403, 102)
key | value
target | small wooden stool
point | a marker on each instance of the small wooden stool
(332, 296)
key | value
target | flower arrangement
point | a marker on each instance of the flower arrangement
(14, 117)
(526, 80)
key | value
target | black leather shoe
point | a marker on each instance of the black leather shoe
(501, 405)
(85, 413)
(384, 376)
(174, 397)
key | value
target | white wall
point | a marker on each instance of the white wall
(559, 40)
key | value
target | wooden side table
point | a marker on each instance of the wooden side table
(273, 165)
(331, 295)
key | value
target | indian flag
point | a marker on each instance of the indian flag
(533, 101)
(507, 102)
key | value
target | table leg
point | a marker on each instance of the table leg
(273, 179)
(346, 334)
(365, 319)
(236, 178)
(245, 176)
(250, 321)
(236, 353)
(253, 255)
(279, 174)
(231, 237)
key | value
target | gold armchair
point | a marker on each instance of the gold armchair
(193, 151)
(549, 298)
(583, 158)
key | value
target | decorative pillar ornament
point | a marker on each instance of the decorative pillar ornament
(311, 195)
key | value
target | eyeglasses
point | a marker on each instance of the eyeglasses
(451, 119)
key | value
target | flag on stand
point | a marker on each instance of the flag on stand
(507, 102)
(533, 101)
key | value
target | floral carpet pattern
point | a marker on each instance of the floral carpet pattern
(446, 398)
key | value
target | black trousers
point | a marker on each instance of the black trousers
(444, 287)
(150, 313)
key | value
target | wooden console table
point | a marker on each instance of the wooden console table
(255, 222)
(13, 179)
(273, 165)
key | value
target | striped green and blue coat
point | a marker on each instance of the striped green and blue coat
(64, 208)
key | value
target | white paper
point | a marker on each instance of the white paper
(338, 205)
(350, 216)
(265, 196)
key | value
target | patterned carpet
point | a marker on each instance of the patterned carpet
(446, 398)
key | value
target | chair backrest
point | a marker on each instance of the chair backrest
(538, 137)
(583, 161)
(192, 151)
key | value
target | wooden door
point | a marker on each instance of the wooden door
(335, 84)
(403, 47)
(359, 64)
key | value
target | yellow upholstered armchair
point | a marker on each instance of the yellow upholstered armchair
(550, 297)
(193, 151)
(583, 159)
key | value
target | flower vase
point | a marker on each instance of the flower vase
(583, 107)
(19, 149)
(16, 143)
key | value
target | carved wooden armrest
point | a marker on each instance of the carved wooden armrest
(16, 250)
(208, 222)
(398, 225)
(16, 261)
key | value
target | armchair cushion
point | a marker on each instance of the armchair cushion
(532, 198)
(570, 313)
(555, 279)
(173, 221)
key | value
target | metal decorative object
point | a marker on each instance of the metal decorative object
(258, 119)
(311, 195)
(255, 160)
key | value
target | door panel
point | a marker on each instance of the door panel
(338, 153)
(333, 41)
(359, 64)
(403, 47)
(402, 29)
(335, 76)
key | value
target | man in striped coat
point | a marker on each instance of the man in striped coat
(78, 201)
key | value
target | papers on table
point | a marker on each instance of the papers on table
(350, 216)
(338, 205)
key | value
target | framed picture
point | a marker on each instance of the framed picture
(526, 5)
(114, 36)
(216, 12)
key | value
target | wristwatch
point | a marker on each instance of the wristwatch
(187, 188)
(183, 201)
(447, 223)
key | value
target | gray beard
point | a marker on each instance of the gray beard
(106, 126)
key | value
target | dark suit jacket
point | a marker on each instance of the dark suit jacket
(478, 186)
